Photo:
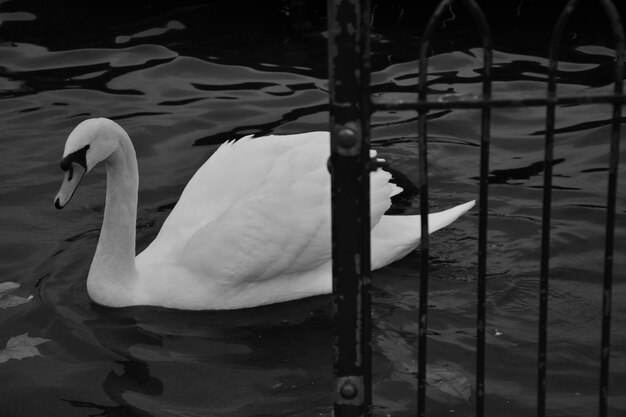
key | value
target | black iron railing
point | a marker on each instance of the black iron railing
(351, 107)
(349, 166)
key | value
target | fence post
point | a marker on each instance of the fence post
(348, 32)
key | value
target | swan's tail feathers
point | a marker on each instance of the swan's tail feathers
(396, 189)
(440, 220)
(395, 236)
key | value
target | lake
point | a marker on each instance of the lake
(182, 79)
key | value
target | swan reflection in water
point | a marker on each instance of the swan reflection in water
(223, 361)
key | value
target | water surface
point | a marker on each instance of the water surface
(182, 80)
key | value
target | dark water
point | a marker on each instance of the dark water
(182, 79)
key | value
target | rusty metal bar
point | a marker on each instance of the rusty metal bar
(348, 164)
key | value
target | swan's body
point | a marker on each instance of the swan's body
(252, 227)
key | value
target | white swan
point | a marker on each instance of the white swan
(252, 227)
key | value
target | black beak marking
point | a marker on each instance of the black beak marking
(79, 157)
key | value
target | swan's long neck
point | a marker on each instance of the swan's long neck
(113, 274)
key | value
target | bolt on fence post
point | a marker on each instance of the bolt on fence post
(348, 32)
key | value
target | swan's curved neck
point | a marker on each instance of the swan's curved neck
(112, 275)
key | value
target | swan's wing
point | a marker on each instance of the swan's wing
(233, 171)
(237, 168)
(280, 225)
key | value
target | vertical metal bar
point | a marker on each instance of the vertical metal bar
(547, 206)
(545, 260)
(349, 127)
(424, 245)
(423, 187)
(486, 40)
(485, 140)
(546, 211)
(618, 38)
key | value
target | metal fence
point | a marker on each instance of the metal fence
(351, 107)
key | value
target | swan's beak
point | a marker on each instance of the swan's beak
(74, 173)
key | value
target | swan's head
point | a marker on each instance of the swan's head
(91, 142)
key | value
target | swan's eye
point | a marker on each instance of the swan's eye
(79, 157)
